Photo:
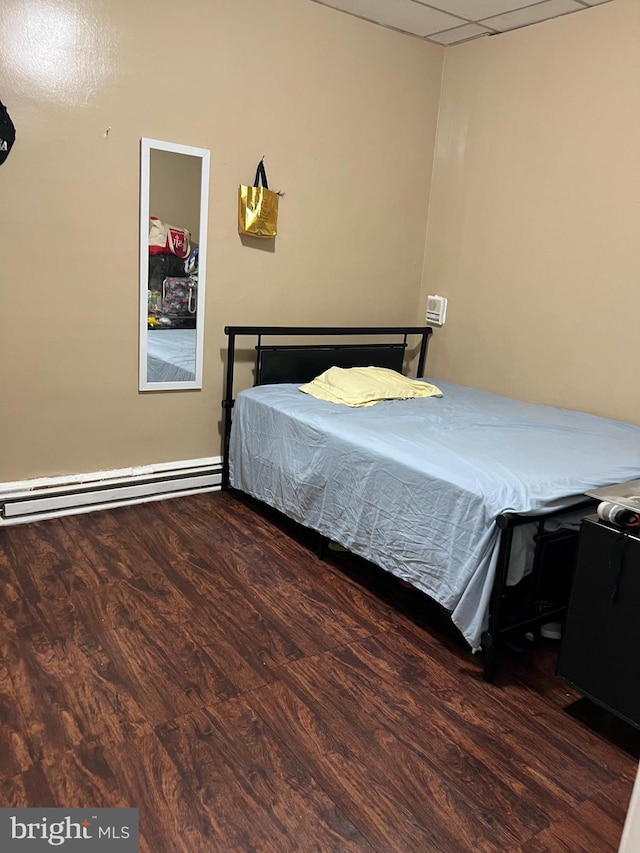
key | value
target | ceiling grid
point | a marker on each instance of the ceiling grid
(449, 22)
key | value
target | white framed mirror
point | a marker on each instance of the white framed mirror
(174, 195)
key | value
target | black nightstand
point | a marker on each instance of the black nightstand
(600, 649)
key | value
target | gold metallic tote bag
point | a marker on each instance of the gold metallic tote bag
(258, 207)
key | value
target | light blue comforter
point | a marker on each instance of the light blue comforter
(415, 486)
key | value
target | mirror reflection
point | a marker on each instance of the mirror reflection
(172, 253)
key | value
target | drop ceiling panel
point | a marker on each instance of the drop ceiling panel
(532, 14)
(477, 10)
(405, 15)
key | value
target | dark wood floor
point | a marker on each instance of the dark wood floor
(195, 658)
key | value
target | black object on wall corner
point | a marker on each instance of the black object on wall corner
(7, 133)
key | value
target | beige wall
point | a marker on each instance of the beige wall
(345, 113)
(534, 223)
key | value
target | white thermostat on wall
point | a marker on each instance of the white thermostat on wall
(436, 309)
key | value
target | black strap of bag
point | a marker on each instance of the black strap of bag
(261, 175)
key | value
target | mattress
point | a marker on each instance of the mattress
(171, 355)
(415, 486)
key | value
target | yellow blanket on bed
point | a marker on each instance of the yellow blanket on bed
(365, 386)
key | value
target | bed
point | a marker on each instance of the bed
(433, 490)
(171, 355)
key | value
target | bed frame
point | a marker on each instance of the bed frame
(302, 362)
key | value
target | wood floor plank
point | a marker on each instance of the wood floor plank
(285, 591)
(104, 548)
(614, 799)
(268, 798)
(224, 519)
(42, 592)
(29, 789)
(215, 579)
(355, 778)
(372, 712)
(15, 749)
(158, 663)
(89, 775)
(373, 614)
(15, 614)
(493, 713)
(587, 829)
(597, 825)
(67, 695)
(139, 775)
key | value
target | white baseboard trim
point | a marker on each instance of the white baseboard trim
(50, 497)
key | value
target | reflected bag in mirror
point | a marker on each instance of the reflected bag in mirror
(167, 239)
(258, 207)
(179, 297)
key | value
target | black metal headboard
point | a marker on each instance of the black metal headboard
(302, 362)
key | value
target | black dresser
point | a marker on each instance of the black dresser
(600, 649)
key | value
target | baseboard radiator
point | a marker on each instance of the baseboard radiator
(50, 497)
